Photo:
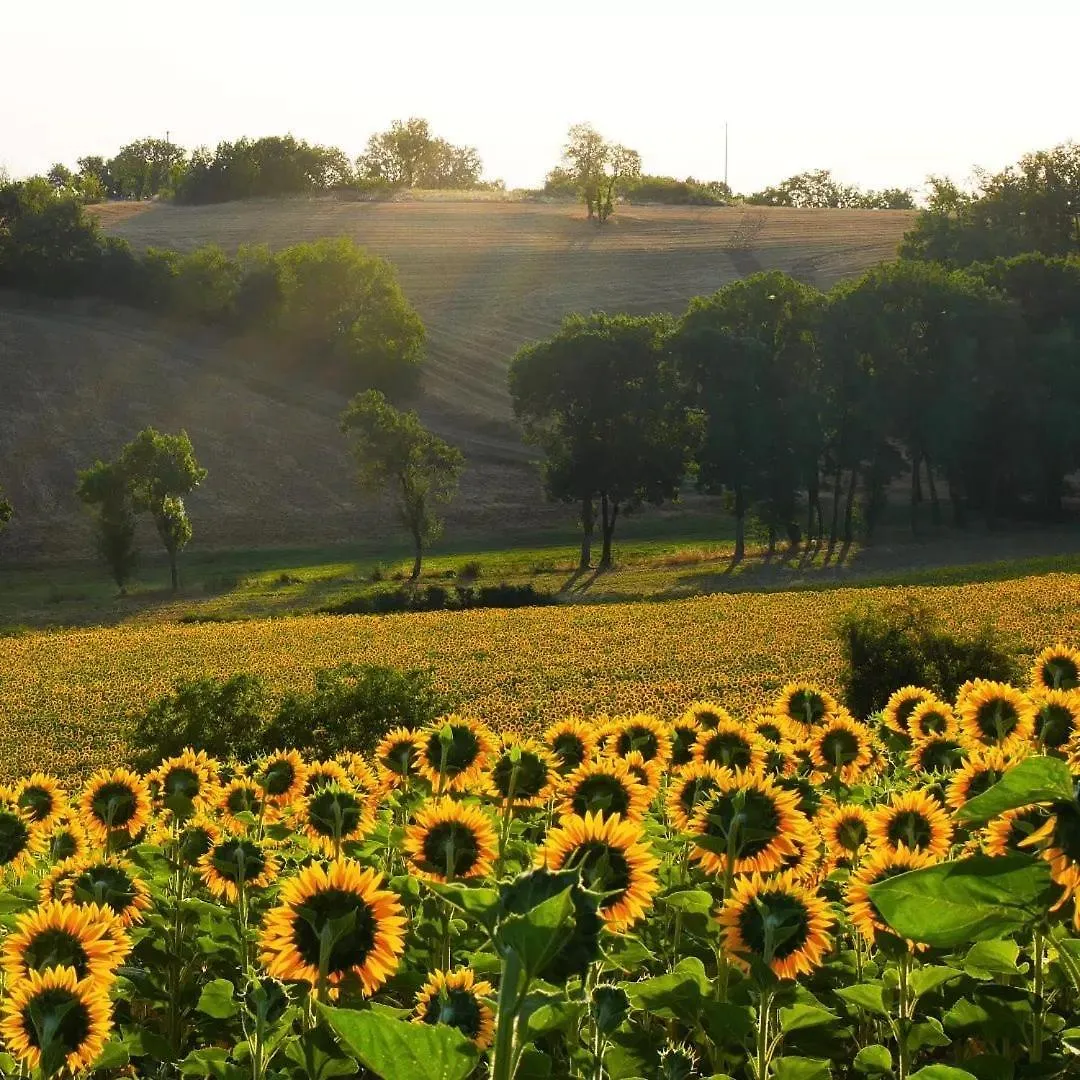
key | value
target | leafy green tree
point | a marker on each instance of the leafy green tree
(145, 168)
(396, 455)
(106, 489)
(409, 156)
(604, 401)
(7, 511)
(598, 168)
(817, 188)
(160, 470)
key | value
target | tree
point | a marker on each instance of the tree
(815, 188)
(409, 156)
(160, 470)
(604, 401)
(106, 488)
(598, 168)
(7, 511)
(396, 455)
(144, 168)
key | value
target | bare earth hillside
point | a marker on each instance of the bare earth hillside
(486, 277)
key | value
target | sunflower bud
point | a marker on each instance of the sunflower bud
(608, 1006)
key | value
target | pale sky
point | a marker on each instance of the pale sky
(881, 101)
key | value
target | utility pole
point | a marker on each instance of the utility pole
(725, 154)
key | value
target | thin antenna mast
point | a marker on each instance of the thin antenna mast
(725, 154)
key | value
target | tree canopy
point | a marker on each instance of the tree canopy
(819, 189)
(409, 156)
(595, 169)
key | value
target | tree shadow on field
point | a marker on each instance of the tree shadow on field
(580, 581)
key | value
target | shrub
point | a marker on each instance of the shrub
(439, 598)
(224, 718)
(903, 643)
(352, 707)
(470, 571)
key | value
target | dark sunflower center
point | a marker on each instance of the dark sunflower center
(708, 719)
(1067, 831)
(278, 777)
(905, 709)
(806, 706)
(450, 846)
(932, 723)
(243, 800)
(61, 1011)
(322, 917)
(317, 780)
(400, 758)
(181, 781)
(56, 948)
(62, 845)
(982, 781)
(769, 730)
(521, 779)
(569, 749)
(774, 925)
(14, 836)
(604, 869)
(639, 738)
(748, 820)
(195, 842)
(941, 755)
(1056, 725)
(114, 805)
(840, 747)
(108, 885)
(909, 827)
(336, 814)
(37, 801)
(238, 860)
(996, 719)
(458, 755)
(458, 1008)
(600, 793)
(682, 745)
(1022, 826)
(728, 748)
(1061, 673)
(851, 833)
(694, 791)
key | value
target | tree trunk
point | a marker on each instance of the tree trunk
(588, 523)
(772, 539)
(418, 556)
(849, 506)
(916, 491)
(740, 525)
(835, 526)
(174, 572)
(607, 524)
(935, 503)
(956, 497)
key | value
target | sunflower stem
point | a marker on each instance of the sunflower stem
(1038, 948)
(502, 1063)
(764, 1012)
(903, 1019)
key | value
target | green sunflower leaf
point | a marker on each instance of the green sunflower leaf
(800, 1016)
(217, 1000)
(801, 1068)
(865, 996)
(942, 1072)
(1035, 780)
(480, 905)
(400, 1049)
(873, 1060)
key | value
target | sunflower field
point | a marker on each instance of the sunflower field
(793, 894)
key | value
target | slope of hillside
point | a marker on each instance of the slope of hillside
(77, 380)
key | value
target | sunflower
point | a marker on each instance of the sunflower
(41, 798)
(571, 742)
(194, 838)
(807, 863)
(1059, 843)
(994, 713)
(935, 754)
(314, 905)
(106, 882)
(777, 920)
(457, 998)
(18, 837)
(242, 796)
(730, 745)
(752, 820)
(522, 774)
(1009, 831)
(322, 773)
(361, 774)
(1056, 668)
(1057, 718)
(650, 774)
(236, 862)
(397, 757)
(64, 839)
(454, 753)
(774, 728)
(881, 864)
(448, 841)
(979, 773)
(901, 704)
(606, 786)
(932, 717)
(650, 737)
(613, 860)
(707, 714)
(841, 747)
(281, 776)
(845, 828)
(115, 802)
(805, 704)
(690, 786)
(333, 814)
(684, 733)
(74, 1013)
(186, 783)
(914, 820)
(57, 935)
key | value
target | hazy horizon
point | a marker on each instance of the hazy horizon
(880, 101)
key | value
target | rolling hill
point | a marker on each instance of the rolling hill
(77, 380)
